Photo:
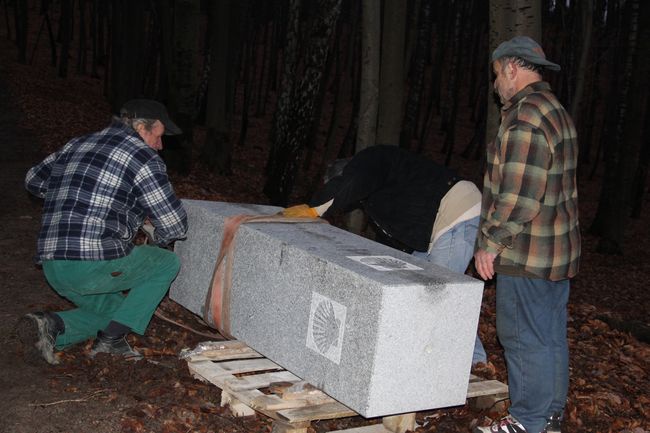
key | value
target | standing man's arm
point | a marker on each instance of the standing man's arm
(525, 159)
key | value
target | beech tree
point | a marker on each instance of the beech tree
(217, 148)
(391, 78)
(295, 110)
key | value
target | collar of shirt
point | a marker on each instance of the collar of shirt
(537, 86)
(116, 123)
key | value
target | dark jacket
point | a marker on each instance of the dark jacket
(399, 191)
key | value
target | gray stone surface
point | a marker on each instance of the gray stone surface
(379, 330)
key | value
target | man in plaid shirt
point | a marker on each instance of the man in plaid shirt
(529, 235)
(98, 190)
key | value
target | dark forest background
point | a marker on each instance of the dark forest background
(335, 76)
(268, 93)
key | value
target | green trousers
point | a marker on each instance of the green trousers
(99, 290)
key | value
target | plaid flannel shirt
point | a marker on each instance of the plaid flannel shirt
(98, 190)
(529, 214)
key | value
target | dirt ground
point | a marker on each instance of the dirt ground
(610, 372)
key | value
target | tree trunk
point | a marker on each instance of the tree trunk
(507, 19)
(217, 149)
(314, 130)
(94, 33)
(330, 150)
(629, 130)
(266, 63)
(127, 45)
(183, 77)
(587, 12)
(452, 85)
(476, 66)
(21, 26)
(7, 21)
(276, 164)
(442, 31)
(165, 11)
(613, 59)
(248, 73)
(641, 175)
(81, 51)
(65, 32)
(607, 143)
(416, 87)
(102, 11)
(411, 32)
(391, 84)
(351, 85)
(151, 56)
(296, 105)
(370, 58)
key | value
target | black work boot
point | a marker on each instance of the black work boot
(38, 332)
(115, 345)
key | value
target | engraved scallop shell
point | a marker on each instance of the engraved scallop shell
(326, 327)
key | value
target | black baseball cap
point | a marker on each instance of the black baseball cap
(525, 48)
(150, 109)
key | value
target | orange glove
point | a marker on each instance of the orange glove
(300, 211)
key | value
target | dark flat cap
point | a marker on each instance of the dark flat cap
(525, 48)
(150, 109)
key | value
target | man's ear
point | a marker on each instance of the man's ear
(511, 70)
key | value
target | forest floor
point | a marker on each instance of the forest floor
(610, 369)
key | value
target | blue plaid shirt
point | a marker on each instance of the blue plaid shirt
(98, 190)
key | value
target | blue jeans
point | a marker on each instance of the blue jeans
(453, 250)
(532, 328)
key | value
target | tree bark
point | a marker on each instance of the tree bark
(631, 115)
(65, 32)
(165, 11)
(641, 175)
(587, 12)
(412, 111)
(248, 73)
(7, 21)
(507, 19)
(21, 25)
(81, 50)
(370, 60)
(217, 149)
(183, 77)
(295, 112)
(391, 82)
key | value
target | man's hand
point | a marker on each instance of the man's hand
(149, 230)
(300, 211)
(484, 263)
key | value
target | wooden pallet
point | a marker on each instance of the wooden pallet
(242, 374)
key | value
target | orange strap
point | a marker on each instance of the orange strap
(216, 311)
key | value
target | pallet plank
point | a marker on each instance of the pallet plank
(293, 403)
(486, 387)
(229, 368)
(260, 380)
(400, 423)
(310, 413)
(374, 428)
(275, 403)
